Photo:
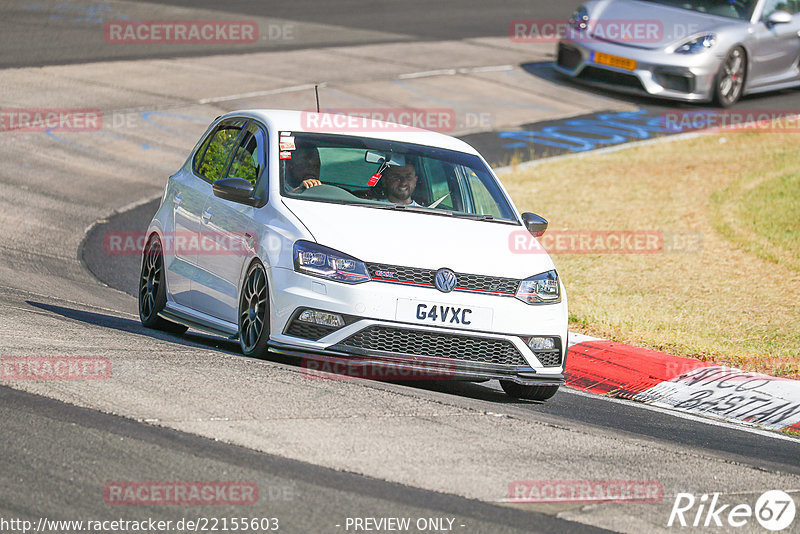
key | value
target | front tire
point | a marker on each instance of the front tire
(519, 391)
(254, 312)
(729, 81)
(153, 290)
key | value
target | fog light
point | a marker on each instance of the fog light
(321, 318)
(542, 343)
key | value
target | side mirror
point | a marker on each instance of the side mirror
(536, 225)
(779, 17)
(236, 190)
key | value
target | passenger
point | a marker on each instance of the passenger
(399, 184)
(302, 171)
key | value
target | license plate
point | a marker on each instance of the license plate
(440, 314)
(613, 61)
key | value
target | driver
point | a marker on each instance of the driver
(302, 171)
(399, 184)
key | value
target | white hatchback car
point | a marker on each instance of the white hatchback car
(374, 244)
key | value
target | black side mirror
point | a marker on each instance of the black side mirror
(536, 225)
(236, 190)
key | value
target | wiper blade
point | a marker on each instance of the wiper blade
(475, 217)
(415, 209)
(422, 209)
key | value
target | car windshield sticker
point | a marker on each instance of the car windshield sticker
(287, 143)
(286, 155)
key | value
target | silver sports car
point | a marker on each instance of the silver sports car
(691, 50)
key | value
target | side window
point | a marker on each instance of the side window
(216, 152)
(482, 197)
(198, 157)
(437, 176)
(248, 162)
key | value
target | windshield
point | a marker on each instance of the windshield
(735, 9)
(389, 175)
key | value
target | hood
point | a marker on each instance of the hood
(651, 25)
(419, 240)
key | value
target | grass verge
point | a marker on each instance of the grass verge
(733, 297)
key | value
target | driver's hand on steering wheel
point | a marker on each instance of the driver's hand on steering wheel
(311, 182)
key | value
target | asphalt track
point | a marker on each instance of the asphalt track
(304, 497)
(122, 272)
(62, 455)
(30, 28)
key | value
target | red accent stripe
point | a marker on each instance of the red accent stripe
(431, 285)
(402, 282)
(483, 291)
(352, 274)
(606, 367)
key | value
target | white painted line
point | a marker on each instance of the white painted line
(492, 68)
(453, 72)
(706, 389)
(723, 393)
(427, 73)
(242, 96)
(733, 426)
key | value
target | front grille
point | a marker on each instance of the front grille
(550, 358)
(568, 57)
(425, 277)
(595, 74)
(431, 344)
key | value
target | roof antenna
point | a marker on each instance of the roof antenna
(316, 92)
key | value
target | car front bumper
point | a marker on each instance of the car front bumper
(376, 333)
(689, 78)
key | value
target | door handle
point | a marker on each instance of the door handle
(177, 199)
(206, 216)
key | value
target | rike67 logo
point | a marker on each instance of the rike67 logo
(774, 510)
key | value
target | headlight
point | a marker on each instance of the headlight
(316, 260)
(698, 44)
(540, 289)
(580, 19)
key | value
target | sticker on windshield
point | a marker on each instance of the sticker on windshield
(287, 143)
(285, 155)
(374, 180)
